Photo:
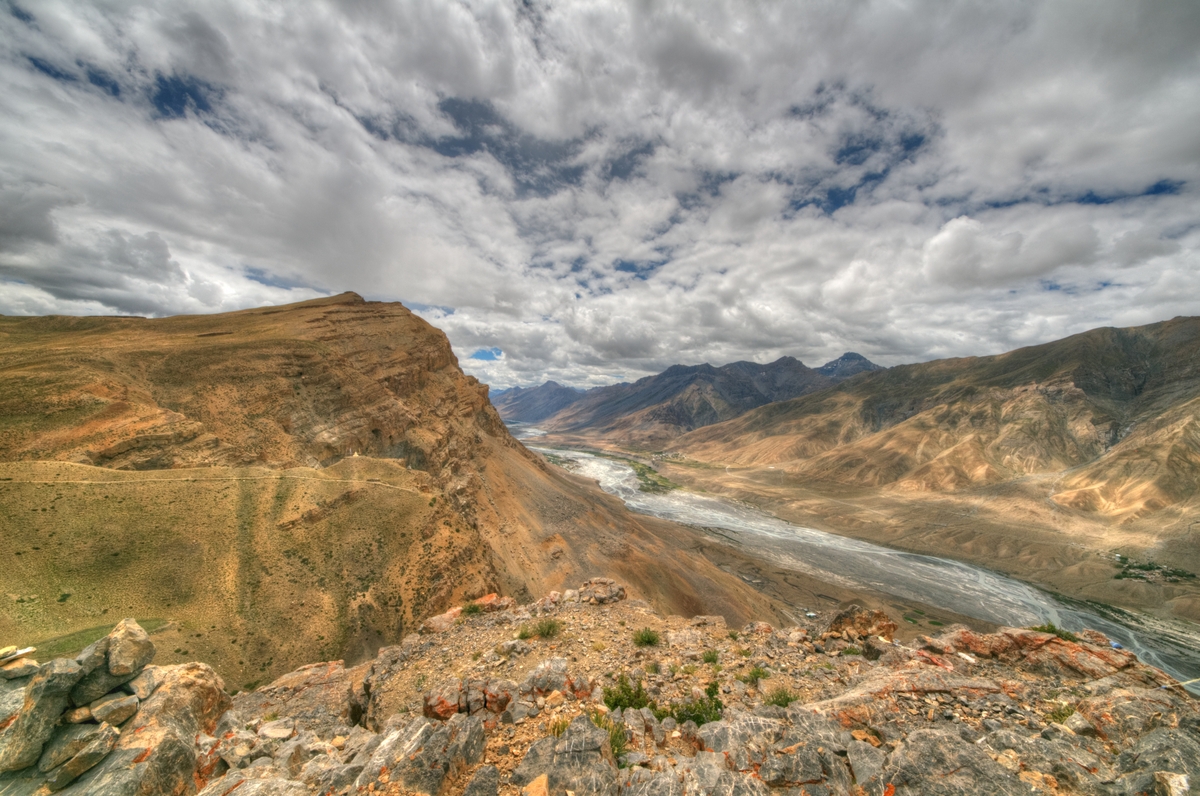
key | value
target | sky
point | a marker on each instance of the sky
(592, 191)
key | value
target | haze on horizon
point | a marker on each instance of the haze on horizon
(590, 192)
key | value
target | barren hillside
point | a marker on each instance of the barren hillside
(317, 477)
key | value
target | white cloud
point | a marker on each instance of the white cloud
(602, 189)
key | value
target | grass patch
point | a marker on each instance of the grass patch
(709, 656)
(525, 632)
(599, 646)
(472, 609)
(703, 710)
(646, 637)
(752, 677)
(616, 732)
(1061, 713)
(690, 669)
(547, 628)
(652, 667)
(1050, 627)
(852, 651)
(781, 696)
(559, 726)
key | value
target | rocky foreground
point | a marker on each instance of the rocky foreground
(586, 692)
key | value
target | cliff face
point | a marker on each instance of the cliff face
(303, 385)
(313, 480)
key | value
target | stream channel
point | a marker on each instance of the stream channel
(1172, 646)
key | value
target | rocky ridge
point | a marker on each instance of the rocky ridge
(656, 409)
(588, 692)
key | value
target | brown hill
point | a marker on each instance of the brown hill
(1113, 411)
(1044, 463)
(288, 483)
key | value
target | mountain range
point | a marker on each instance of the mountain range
(680, 399)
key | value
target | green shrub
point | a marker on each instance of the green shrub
(705, 709)
(548, 628)
(710, 656)
(626, 695)
(616, 732)
(1061, 713)
(524, 632)
(472, 609)
(733, 635)
(1049, 627)
(646, 637)
(781, 696)
(852, 650)
(752, 677)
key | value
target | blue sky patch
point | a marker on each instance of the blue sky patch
(101, 79)
(174, 95)
(487, 354)
(538, 166)
(50, 70)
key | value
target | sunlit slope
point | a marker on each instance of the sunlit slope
(288, 484)
(1112, 410)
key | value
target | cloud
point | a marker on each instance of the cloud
(592, 192)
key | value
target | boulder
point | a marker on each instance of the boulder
(493, 602)
(862, 622)
(114, 708)
(21, 667)
(243, 784)
(599, 591)
(129, 648)
(322, 697)
(66, 743)
(156, 751)
(45, 698)
(86, 758)
(112, 661)
(484, 782)
(144, 684)
(421, 753)
(549, 675)
(579, 761)
(938, 763)
(442, 622)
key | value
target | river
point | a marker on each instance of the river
(952, 585)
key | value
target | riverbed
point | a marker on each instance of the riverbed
(941, 582)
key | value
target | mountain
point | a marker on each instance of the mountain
(531, 404)
(281, 484)
(1113, 411)
(658, 408)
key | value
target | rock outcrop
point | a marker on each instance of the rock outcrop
(142, 739)
(573, 705)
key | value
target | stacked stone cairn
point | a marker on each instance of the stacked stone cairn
(105, 722)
